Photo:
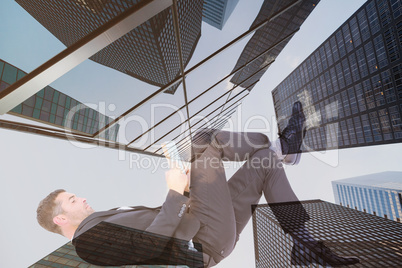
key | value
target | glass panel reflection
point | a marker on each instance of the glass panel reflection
(353, 90)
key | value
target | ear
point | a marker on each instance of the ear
(60, 220)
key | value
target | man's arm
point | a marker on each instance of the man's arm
(175, 205)
(147, 246)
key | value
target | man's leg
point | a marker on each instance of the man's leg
(234, 146)
(263, 172)
(211, 200)
(211, 194)
(211, 203)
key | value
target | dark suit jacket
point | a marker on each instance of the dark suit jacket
(172, 219)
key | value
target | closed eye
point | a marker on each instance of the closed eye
(72, 198)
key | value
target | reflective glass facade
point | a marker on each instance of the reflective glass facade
(52, 107)
(272, 35)
(66, 257)
(108, 244)
(148, 52)
(351, 85)
(217, 12)
(378, 194)
(347, 232)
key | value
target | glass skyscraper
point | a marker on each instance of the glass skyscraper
(66, 257)
(121, 247)
(148, 52)
(268, 41)
(351, 85)
(378, 194)
(347, 232)
(52, 107)
(217, 12)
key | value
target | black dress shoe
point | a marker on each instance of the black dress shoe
(292, 136)
(320, 254)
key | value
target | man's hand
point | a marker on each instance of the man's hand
(176, 180)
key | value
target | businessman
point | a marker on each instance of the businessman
(201, 206)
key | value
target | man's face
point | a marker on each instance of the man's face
(75, 209)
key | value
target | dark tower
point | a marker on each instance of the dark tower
(148, 52)
(275, 34)
(351, 85)
(347, 232)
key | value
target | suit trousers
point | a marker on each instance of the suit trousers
(225, 207)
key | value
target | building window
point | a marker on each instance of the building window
(328, 82)
(380, 51)
(323, 58)
(384, 12)
(339, 73)
(372, 17)
(339, 105)
(360, 97)
(346, 70)
(354, 27)
(371, 60)
(396, 121)
(353, 102)
(359, 130)
(318, 87)
(368, 92)
(391, 43)
(334, 79)
(375, 124)
(328, 52)
(323, 86)
(364, 29)
(388, 87)
(347, 38)
(345, 134)
(9, 75)
(319, 64)
(361, 59)
(397, 75)
(396, 7)
(334, 48)
(377, 89)
(385, 124)
(366, 128)
(309, 69)
(351, 131)
(341, 44)
(345, 100)
(353, 67)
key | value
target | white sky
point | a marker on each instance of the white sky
(32, 166)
